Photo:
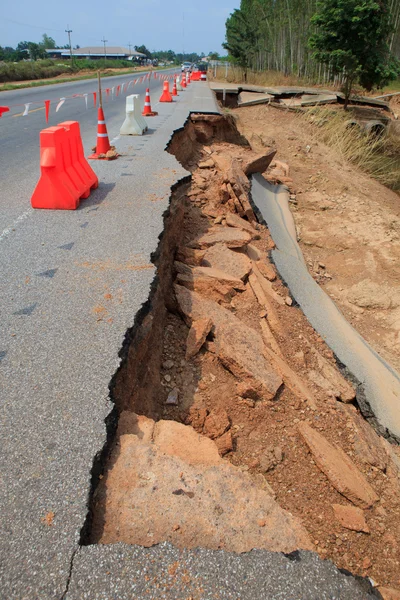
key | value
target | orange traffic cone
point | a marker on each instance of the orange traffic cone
(188, 79)
(166, 95)
(183, 82)
(147, 112)
(174, 90)
(103, 143)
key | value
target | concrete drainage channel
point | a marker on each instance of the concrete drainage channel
(236, 451)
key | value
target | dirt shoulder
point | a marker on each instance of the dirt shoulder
(348, 225)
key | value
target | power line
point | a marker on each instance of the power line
(30, 25)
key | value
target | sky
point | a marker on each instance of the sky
(160, 25)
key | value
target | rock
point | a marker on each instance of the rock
(167, 377)
(207, 164)
(197, 417)
(225, 443)
(218, 220)
(244, 389)
(216, 423)
(235, 221)
(238, 179)
(374, 295)
(173, 397)
(288, 301)
(230, 236)
(239, 347)
(265, 303)
(197, 336)
(175, 487)
(267, 270)
(291, 379)
(267, 286)
(168, 364)
(258, 163)
(224, 193)
(389, 593)
(190, 256)
(339, 469)
(207, 287)
(269, 338)
(341, 388)
(284, 167)
(220, 257)
(351, 517)
(367, 443)
(211, 273)
(253, 252)
(270, 459)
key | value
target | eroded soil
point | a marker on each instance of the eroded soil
(245, 388)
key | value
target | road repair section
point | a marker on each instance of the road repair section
(73, 283)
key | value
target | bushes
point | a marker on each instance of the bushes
(47, 68)
(31, 70)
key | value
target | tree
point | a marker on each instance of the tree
(352, 38)
(48, 42)
(213, 56)
(143, 50)
(36, 51)
(241, 38)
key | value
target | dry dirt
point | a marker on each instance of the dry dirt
(348, 225)
(242, 367)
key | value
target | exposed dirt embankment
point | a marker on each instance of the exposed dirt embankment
(348, 225)
(236, 428)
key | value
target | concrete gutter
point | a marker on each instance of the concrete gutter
(379, 396)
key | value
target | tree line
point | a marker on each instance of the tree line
(37, 50)
(318, 39)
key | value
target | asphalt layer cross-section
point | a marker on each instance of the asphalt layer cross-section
(72, 283)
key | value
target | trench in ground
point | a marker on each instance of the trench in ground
(256, 434)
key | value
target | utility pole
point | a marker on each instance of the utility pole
(130, 46)
(105, 51)
(69, 31)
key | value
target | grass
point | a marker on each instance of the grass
(276, 79)
(378, 156)
(262, 78)
(77, 77)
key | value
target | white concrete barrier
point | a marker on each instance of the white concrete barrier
(178, 84)
(134, 123)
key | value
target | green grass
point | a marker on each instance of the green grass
(39, 83)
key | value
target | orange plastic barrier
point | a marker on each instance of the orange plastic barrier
(65, 175)
(195, 76)
(166, 95)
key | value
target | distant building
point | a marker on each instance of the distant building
(96, 52)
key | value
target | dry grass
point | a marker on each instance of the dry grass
(378, 156)
(263, 78)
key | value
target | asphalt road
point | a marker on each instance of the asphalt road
(19, 135)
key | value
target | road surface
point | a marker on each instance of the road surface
(19, 135)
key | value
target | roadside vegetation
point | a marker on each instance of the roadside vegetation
(29, 61)
(341, 42)
(377, 155)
